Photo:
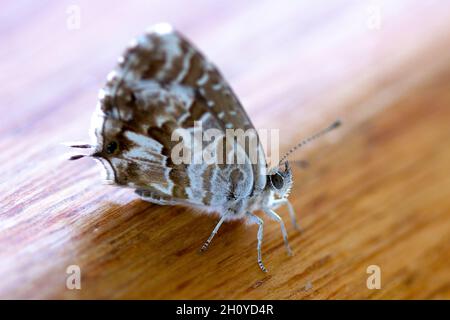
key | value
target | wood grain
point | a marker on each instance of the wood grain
(376, 192)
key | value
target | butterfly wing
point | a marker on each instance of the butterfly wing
(164, 85)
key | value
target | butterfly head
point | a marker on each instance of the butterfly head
(280, 180)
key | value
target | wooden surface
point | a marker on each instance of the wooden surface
(376, 192)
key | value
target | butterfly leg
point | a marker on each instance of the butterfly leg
(213, 233)
(257, 220)
(272, 214)
(280, 202)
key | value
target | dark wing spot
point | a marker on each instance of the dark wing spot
(111, 147)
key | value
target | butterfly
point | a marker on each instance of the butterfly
(163, 85)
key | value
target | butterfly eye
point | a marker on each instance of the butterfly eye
(111, 147)
(277, 181)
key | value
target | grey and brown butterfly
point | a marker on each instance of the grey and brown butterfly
(162, 85)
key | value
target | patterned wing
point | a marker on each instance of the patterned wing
(162, 85)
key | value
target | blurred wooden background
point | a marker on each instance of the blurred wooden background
(376, 192)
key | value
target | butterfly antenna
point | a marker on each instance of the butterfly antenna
(333, 126)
